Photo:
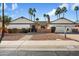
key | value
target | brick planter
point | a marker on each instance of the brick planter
(6, 31)
(44, 30)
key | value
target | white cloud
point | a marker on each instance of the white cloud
(52, 12)
(12, 15)
(14, 6)
(5, 6)
(76, 4)
(64, 5)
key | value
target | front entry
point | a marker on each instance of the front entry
(33, 28)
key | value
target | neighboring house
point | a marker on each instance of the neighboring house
(20, 23)
(63, 24)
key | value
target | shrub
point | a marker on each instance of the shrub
(14, 30)
(74, 30)
(9, 30)
(24, 30)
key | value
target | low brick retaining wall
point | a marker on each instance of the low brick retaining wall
(44, 30)
(6, 31)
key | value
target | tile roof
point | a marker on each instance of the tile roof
(22, 20)
(62, 20)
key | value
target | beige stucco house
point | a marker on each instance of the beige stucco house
(20, 23)
(62, 24)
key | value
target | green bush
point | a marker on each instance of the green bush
(9, 30)
(23, 30)
(12, 30)
(15, 30)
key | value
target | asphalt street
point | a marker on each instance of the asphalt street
(38, 53)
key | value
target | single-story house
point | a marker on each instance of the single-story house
(63, 24)
(20, 23)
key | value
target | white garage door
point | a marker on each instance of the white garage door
(63, 29)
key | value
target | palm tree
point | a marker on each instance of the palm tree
(34, 11)
(0, 17)
(59, 11)
(56, 13)
(37, 19)
(7, 20)
(30, 12)
(76, 8)
(44, 16)
(63, 10)
(3, 26)
(48, 17)
(34, 16)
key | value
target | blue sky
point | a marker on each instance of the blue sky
(16, 10)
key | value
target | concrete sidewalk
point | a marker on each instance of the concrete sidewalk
(40, 45)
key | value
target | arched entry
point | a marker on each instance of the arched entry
(33, 29)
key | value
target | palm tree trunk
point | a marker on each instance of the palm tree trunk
(31, 17)
(76, 16)
(63, 14)
(45, 19)
(65, 31)
(3, 26)
(59, 15)
(34, 18)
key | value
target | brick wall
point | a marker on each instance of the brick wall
(44, 30)
(6, 31)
